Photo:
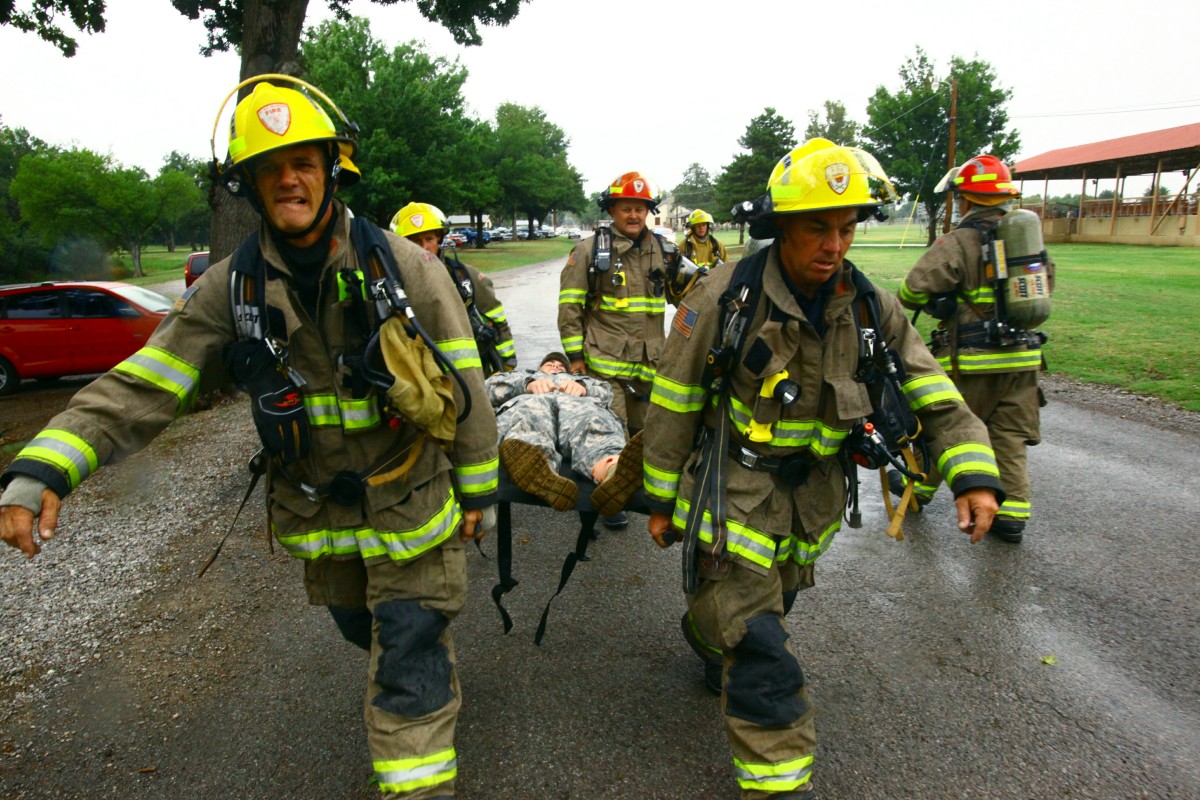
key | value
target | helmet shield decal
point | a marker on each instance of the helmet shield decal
(417, 220)
(838, 177)
(276, 117)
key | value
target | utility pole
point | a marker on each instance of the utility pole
(953, 126)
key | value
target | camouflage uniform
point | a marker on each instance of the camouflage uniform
(578, 430)
(618, 331)
(999, 384)
(395, 552)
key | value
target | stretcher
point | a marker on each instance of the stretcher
(588, 516)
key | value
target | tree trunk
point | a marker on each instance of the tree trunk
(270, 38)
(477, 223)
(135, 257)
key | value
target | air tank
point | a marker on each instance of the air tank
(1027, 286)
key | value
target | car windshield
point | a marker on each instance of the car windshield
(151, 301)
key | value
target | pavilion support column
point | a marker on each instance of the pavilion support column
(1112, 225)
(1045, 189)
(1154, 196)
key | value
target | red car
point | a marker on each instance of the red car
(194, 267)
(56, 328)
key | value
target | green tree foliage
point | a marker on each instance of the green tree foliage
(186, 214)
(909, 128)
(21, 253)
(695, 190)
(41, 18)
(531, 165)
(837, 127)
(768, 137)
(411, 146)
(79, 194)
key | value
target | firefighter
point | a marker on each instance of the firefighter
(999, 381)
(376, 506)
(747, 470)
(698, 245)
(426, 226)
(546, 417)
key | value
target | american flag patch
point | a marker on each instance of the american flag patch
(685, 320)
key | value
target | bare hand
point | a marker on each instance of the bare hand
(976, 510)
(16, 524)
(578, 367)
(659, 527)
(540, 386)
(471, 529)
(573, 388)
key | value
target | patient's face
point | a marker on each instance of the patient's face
(553, 366)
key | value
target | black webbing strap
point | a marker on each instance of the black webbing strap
(587, 532)
(257, 466)
(504, 560)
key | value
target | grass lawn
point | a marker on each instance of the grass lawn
(499, 256)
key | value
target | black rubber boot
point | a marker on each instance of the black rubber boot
(1010, 530)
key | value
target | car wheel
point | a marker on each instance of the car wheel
(9, 379)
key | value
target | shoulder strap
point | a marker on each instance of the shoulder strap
(247, 290)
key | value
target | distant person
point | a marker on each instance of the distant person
(996, 371)
(371, 480)
(426, 226)
(701, 245)
(546, 417)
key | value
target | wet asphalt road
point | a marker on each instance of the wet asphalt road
(1064, 667)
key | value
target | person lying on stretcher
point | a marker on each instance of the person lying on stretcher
(547, 417)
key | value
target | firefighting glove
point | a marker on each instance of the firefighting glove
(276, 403)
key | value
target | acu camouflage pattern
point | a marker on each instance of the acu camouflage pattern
(577, 430)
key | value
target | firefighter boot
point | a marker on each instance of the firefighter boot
(714, 661)
(611, 495)
(1010, 530)
(530, 471)
(896, 485)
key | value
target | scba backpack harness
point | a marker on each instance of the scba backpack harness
(482, 328)
(886, 437)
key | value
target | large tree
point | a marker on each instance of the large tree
(534, 175)
(909, 128)
(42, 18)
(21, 254)
(836, 127)
(186, 217)
(79, 194)
(695, 189)
(768, 138)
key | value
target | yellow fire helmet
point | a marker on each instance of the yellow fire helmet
(699, 217)
(417, 218)
(820, 175)
(274, 116)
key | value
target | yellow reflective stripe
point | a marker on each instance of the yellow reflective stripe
(359, 415)
(462, 353)
(65, 452)
(785, 776)
(506, 348)
(982, 295)
(409, 774)
(497, 315)
(660, 484)
(633, 305)
(1015, 508)
(344, 286)
(399, 545)
(989, 362)
(753, 545)
(814, 434)
(568, 297)
(322, 409)
(909, 296)
(479, 478)
(983, 176)
(573, 343)
(609, 368)
(681, 398)
(806, 552)
(164, 370)
(930, 389)
(971, 457)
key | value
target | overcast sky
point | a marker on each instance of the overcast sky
(652, 86)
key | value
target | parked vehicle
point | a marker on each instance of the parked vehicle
(456, 239)
(58, 328)
(194, 267)
(469, 233)
(502, 234)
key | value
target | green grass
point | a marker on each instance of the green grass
(1122, 315)
(499, 256)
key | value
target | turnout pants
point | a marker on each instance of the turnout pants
(413, 693)
(768, 717)
(631, 399)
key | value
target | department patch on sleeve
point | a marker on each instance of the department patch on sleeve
(571, 259)
(685, 320)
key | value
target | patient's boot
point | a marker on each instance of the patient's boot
(529, 470)
(623, 480)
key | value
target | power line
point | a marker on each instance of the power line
(1126, 110)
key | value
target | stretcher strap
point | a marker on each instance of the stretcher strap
(587, 532)
(504, 560)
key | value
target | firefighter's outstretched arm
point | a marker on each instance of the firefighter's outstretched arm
(16, 521)
(976, 510)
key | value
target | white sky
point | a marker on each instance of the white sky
(635, 84)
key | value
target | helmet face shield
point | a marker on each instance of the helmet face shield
(947, 182)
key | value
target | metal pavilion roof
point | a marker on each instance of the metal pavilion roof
(1178, 148)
